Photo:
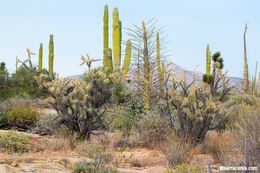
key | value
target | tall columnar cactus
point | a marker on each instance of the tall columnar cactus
(51, 56)
(208, 56)
(106, 60)
(109, 65)
(207, 77)
(127, 60)
(158, 62)
(40, 59)
(147, 70)
(116, 39)
(254, 82)
(246, 80)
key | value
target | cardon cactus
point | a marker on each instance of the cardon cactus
(158, 62)
(40, 59)
(116, 39)
(106, 60)
(127, 59)
(208, 78)
(51, 56)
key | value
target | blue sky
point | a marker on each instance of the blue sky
(77, 29)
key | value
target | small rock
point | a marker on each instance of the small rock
(3, 169)
(14, 164)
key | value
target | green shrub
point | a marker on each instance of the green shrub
(130, 116)
(23, 117)
(3, 120)
(13, 142)
(85, 167)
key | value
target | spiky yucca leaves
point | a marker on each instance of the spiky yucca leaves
(107, 59)
(144, 66)
(192, 111)
(128, 54)
(116, 39)
(51, 56)
(40, 59)
(80, 104)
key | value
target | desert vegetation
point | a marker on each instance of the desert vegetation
(131, 103)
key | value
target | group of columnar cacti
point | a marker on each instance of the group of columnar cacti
(50, 57)
(112, 58)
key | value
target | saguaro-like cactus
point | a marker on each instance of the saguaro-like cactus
(207, 78)
(40, 59)
(116, 39)
(158, 62)
(51, 56)
(246, 80)
(107, 62)
(127, 59)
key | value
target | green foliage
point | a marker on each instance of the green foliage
(116, 39)
(130, 116)
(24, 84)
(40, 59)
(23, 117)
(127, 60)
(3, 120)
(4, 82)
(51, 56)
(12, 142)
(84, 167)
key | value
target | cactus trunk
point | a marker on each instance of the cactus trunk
(40, 59)
(208, 61)
(127, 59)
(51, 56)
(106, 60)
(116, 39)
(245, 81)
(158, 62)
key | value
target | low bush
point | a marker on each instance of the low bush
(175, 149)
(185, 168)
(130, 116)
(152, 129)
(84, 167)
(12, 142)
(3, 120)
(23, 118)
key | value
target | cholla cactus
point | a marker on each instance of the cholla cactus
(195, 110)
(79, 104)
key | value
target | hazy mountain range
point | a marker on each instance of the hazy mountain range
(180, 72)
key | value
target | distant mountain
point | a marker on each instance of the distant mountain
(180, 72)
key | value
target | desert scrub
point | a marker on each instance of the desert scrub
(185, 168)
(85, 167)
(152, 129)
(175, 149)
(12, 142)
